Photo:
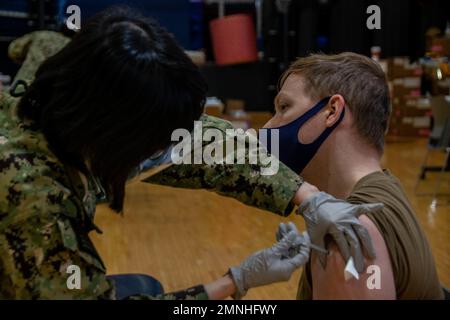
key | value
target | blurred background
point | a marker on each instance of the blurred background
(183, 237)
(281, 30)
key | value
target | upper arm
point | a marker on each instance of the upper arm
(329, 283)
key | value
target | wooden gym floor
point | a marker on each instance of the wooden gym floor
(186, 237)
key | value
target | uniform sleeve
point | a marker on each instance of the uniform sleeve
(243, 182)
(34, 48)
(18, 48)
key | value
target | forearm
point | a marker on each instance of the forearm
(215, 290)
(304, 192)
(221, 288)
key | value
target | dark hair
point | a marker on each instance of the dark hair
(113, 96)
(361, 82)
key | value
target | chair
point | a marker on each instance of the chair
(135, 284)
(439, 141)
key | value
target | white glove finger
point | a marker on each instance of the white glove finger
(306, 239)
(302, 239)
(365, 240)
(282, 247)
(320, 242)
(342, 243)
(281, 232)
(301, 258)
(292, 227)
(305, 250)
(355, 250)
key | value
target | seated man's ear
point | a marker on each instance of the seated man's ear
(334, 109)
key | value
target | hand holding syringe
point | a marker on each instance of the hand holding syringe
(302, 239)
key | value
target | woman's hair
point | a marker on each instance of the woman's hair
(113, 96)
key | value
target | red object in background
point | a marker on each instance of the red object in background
(234, 39)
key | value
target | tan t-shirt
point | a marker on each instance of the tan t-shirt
(411, 258)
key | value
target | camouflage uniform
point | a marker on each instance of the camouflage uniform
(46, 212)
(32, 49)
(243, 182)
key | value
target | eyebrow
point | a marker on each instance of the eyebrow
(282, 95)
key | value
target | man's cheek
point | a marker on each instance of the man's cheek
(311, 130)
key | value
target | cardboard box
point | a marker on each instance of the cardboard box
(407, 130)
(400, 67)
(406, 86)
(441, 46)
(410, 131)
(410, 117)
(421, 122)
(415, 106)
(395, 67)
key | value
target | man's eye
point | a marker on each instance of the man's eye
(283, 107)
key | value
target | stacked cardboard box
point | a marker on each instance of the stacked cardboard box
(441, 46)
(410, 111)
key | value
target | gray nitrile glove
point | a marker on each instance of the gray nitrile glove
(325, 214)
(302, 239)
(268, 266)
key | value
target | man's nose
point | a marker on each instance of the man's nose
(271, 123)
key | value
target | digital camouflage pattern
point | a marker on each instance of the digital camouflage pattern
(47, 208)
(46, 211)
(43, 220)
(32, 49)
(243, 182)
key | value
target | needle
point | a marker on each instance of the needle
(317, 248)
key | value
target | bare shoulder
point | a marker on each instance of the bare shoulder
(376, 282)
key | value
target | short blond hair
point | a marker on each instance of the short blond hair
(361, 82)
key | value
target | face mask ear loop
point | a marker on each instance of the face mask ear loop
(308, 114)
(324, 135)
(13, 91)
(297, 122)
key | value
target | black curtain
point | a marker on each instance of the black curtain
(333, 26)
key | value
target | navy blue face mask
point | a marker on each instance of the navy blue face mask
(293, 153)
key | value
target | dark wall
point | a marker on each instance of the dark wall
(328, 26)
(340, 25)
(183, 18)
